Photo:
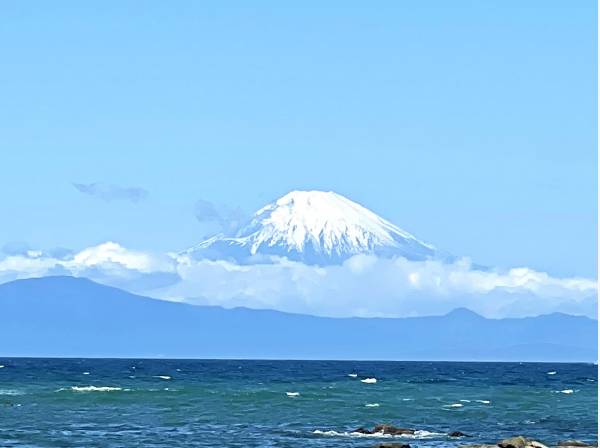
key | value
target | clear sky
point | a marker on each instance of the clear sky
(470, 124)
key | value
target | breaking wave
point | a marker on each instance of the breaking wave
(93, 389)
(564, 391)
(11, 392)
(417, 435)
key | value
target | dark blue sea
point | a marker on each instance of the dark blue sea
(183, 403)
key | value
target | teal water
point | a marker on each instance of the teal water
(177, 403)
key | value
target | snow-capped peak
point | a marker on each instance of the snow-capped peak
(317, 227)
(328, 221)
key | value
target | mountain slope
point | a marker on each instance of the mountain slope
(66, 316)
(315, 227)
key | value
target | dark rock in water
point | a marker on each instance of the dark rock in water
(483, 445)
(392, 445)
(362, 430)
(520, 442)
(514, 442)
(392, 430)
(457, 434)
(575, 443)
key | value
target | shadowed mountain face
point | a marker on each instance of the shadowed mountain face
(67, 316)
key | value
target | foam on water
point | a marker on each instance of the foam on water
(566, 391)
(11, 392)
(293, 394)
(372, 405)
(352, 375)
(94, 388)
(369, 380)
(551, 372)
(453, 405)
(417, 435)
(163, 377)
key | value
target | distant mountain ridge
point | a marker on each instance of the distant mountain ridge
(75, 317)
(314, 227)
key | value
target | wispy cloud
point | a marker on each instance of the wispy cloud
(108, 192)
(227, 219)
(362, 286)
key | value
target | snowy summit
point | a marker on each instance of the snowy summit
(315, 227)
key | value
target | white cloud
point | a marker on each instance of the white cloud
(362, 286)
(110, 252)
(369, 286)
(108, 263)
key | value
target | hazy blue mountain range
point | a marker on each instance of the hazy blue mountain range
(75, 317)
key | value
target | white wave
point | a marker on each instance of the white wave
(293, 394)
(163, 377)
(372, 405)
(369, 380)
(352, 375)
(11, 392)
(1, 366)
(453, 405)
(567, 391)
(408, 399)
(86, 373)
(340, 434)
(483, 401)
(351, 434)
(551, 373)
(94, 388)
(422, 434)
(416, 435)
(465, 401)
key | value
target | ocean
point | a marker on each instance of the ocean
(231, 403)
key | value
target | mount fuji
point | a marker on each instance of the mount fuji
(314, 227)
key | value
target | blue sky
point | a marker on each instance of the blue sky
(470, 124)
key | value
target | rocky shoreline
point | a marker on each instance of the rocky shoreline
(512, 442)
(524, 442)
